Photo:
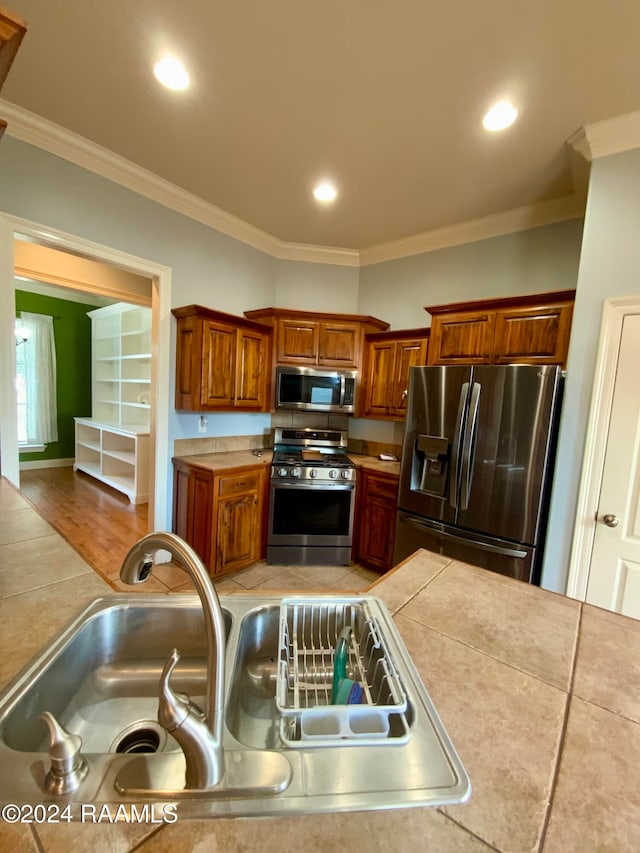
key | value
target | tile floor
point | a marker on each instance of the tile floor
(168, 577)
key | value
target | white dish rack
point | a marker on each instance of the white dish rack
(308, 633)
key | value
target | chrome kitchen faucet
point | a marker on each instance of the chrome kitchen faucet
(199, 733)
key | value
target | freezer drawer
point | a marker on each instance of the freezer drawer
(498, 555)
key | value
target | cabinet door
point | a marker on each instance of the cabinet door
(251, 370)
(464, 338)
(538, 335)
(193, 511)
(408, 354)
(239, 524)
(298, 341)
(379, 378)
(377, 520)
(218, 365)
(340, 344)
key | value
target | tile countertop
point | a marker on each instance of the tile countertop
(228, 461)
(538, 692)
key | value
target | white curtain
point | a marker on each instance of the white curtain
(40, 369)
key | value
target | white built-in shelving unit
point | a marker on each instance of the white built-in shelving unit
(113, 445)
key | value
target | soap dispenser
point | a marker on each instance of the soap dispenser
(68, 767)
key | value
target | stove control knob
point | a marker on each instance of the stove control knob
(282, 472)
(295, 472)
(333, 473)
(313, 473)
(346, 475)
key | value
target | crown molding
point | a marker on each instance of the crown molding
(606, 137)
(317, 254)
(35, 130)
(521, 219)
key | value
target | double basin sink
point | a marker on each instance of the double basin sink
(100, 678)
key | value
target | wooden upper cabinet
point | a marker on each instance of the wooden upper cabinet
(12, 31)
(533, 335)
(409, 353)
(530, 329)
(340, 344)
(297, 341)
(222, 361)
(379, 366)
(388, 357)
(315, 339)
(219, 343)
(252, 370)
(465, 338)
(318, 343)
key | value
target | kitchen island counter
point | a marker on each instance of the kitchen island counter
(538, 692)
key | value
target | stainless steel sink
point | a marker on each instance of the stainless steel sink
(100, 679)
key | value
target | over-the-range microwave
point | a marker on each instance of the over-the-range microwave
(310, 389)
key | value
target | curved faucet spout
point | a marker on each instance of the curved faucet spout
(136, 567)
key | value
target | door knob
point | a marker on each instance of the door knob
(610, 520)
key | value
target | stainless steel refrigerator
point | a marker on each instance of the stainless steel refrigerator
(477, 464)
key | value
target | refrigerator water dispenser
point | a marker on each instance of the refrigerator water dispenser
(432, 457)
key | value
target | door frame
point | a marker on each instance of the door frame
(160, 276)
(613, 313)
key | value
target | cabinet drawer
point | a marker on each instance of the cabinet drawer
(237, 483)
(379, 488)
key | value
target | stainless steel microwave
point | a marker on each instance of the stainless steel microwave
(311, 389)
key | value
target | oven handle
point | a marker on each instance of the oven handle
(342, 487)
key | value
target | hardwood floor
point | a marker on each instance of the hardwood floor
(96, 521)
(101, 525)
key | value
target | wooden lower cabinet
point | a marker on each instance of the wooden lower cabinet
(221, 515)
(376, 519)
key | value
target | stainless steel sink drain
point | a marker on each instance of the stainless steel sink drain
(144, 736)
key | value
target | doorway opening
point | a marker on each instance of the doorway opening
(76, 249)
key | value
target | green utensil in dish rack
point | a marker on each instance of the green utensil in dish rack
(345, 690)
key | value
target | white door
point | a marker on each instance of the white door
(614, 575)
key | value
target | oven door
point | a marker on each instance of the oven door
(305, 514)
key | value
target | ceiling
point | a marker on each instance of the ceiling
(384, 97)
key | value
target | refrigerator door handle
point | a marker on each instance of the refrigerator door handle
(455, 448)
(469, 446)
(451, 537)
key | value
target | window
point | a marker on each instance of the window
(36, 382)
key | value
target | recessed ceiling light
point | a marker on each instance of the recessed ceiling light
(171, 73)
(500, 116)
(325, 192)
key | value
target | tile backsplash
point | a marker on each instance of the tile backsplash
(227, 443)
(220, 444)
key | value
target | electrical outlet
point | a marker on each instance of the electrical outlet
(202, 423)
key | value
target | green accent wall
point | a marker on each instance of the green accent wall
(72, 332)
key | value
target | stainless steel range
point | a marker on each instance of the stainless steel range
(311, 498)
